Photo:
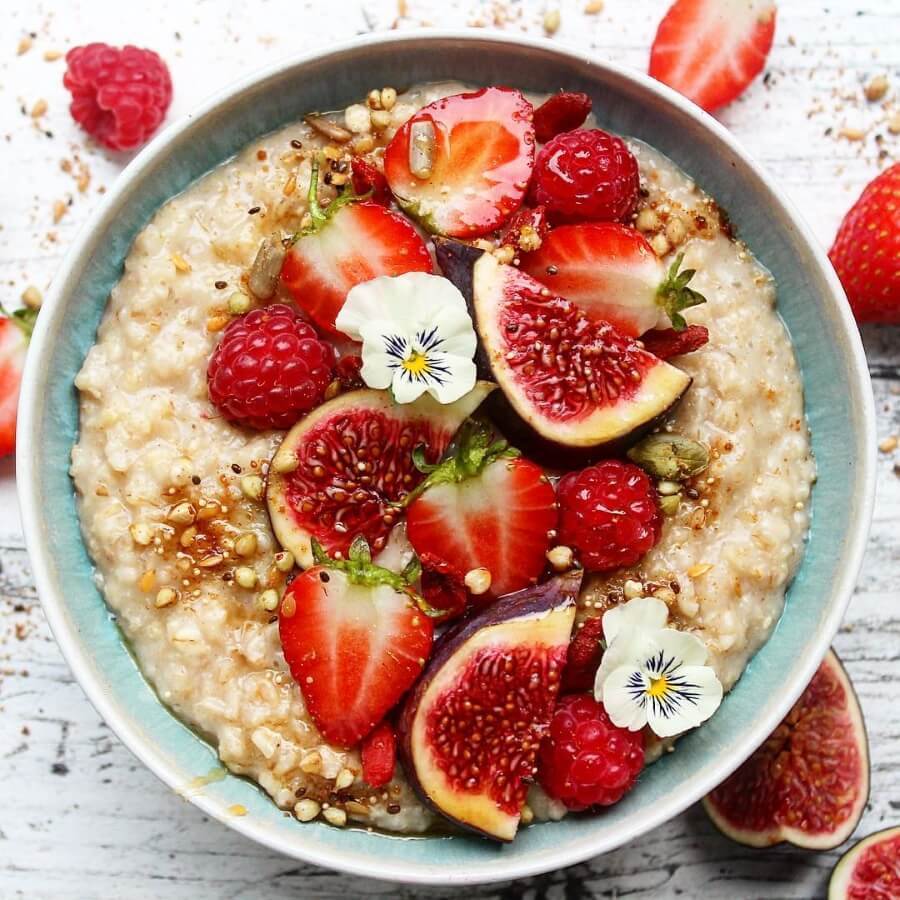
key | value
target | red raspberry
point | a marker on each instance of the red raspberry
(586, 760)
(586, 174)
(561, 112)
(119, 96)
(609, 514)
(269, 369)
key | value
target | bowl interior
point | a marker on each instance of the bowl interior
(809, 301)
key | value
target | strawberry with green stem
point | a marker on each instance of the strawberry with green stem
(611, 273)
(355, 637)
(484, 507)
(350, 241)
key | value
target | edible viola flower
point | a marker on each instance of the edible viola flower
(416, 336)
(653, 675)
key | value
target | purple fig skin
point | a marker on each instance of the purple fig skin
(559, 592)
(457, 261)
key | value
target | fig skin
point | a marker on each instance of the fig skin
(457, 261)
(555, 595)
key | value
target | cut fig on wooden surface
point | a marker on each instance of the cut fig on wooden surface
(339, 469)
(869, 870)
(469, 762)
(809, 782)
(577, 383)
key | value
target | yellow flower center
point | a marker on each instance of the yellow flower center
(416, 363)
(659, 687)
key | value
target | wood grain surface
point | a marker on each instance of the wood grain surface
(79, 817)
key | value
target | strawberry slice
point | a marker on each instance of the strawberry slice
(15, 332)
(354, 639)
(710, 50)
(461, 165)
(584, 657)
(348, 242)
(611, 273)
(484, 507)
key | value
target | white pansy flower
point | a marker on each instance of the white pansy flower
(653, 675)
(416, 333)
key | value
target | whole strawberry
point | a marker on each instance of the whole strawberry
(269, 369)
(586, 174)
(119, 95)
(866, 251)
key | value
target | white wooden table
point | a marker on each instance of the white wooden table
(79, 817)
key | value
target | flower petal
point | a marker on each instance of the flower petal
(406, 389)
(459, 384)
(624, 695)
(644, 613)
(693, 695)
(686, 647)
(409, 301)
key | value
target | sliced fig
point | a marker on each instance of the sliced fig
(809, 782)
(577, 382)
(869, 870)
(471, 728)
(338, 470)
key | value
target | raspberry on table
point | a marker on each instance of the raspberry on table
(585, 760)
(119, 95)
(609, 513)
(269, 368)
(586, 174)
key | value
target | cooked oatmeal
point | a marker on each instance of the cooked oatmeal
(170, 494)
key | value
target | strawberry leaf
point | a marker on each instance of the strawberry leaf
(475, 450)
(674, 295)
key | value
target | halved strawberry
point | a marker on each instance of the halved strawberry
(461, 165)
(348, 242)
(611, 272)
(710, 50)
(485, 507)
(15, 332)
(355, 640)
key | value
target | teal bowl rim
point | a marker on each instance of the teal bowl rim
(36, 512)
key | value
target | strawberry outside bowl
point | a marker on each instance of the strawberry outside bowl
(811, 301)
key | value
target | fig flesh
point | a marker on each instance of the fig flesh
(809, 782)
(339, 469)
(572, 387)
(471, 728)
(869, 869)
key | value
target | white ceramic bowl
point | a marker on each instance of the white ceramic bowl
(839, 405)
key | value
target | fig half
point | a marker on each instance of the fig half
(471, 729)
(809, 782)
(339, 470)
(576, 381)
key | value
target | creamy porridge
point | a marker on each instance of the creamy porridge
(171, 494)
